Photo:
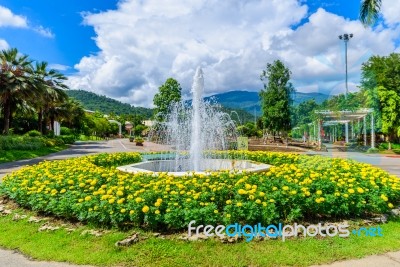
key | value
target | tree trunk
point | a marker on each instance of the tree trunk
(6, 115)
(40, 120)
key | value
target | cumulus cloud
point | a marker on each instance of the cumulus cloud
(59, 67)
(3, 44)
(7, 18)
(142, 43)
(46, 32)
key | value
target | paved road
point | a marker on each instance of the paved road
(9, 258)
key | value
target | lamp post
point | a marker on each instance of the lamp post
(346, 37)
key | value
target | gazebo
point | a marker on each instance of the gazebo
(333, 118)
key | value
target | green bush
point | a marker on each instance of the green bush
(373, 150)
(67, 139)
(397, 151)
(33, 133)
(15, 142)
(65, 131)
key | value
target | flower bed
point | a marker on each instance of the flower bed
(298, 187)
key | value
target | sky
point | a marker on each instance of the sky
(126, 49)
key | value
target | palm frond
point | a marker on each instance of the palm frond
(369, 11)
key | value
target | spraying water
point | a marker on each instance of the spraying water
(192, 129)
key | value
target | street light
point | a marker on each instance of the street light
(346, 37)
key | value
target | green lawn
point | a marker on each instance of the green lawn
(13, 155)
(73, 247)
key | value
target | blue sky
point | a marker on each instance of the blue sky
(126, 49)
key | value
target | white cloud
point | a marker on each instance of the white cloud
(44, 32)
(7, 18)
(59, 67)
(142, 43)
(3, 44)
(390, 12)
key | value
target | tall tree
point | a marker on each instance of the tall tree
(15, 82)
(369, 11)
(168, 93)
(276, 97)
(51, 85)
(381, 85)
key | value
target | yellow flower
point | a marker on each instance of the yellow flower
(261, 194)
(258, 201)
(157, 212)
(131, 212)
(360, 190)
(215, 211)
(228, 202)
(123, 210)
(239, 204)
(63, 191)
(88, 198)
(385, 198)
(390, 205)
(145, 209)
(319, 192)
(120, 201)
(272, 200)
(285, 188)
(242, 191)
(351, 190)
(111, 201)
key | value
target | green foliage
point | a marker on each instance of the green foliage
(276, 97)
(106, 105)
(369, 11)
(168, 93)
(381, 85)
(372, 150)
(297, 187)
(33, 133)
(65, 131)
(66, 139)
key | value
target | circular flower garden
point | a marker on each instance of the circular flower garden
(297, 187)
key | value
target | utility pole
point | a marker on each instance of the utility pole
(346, 37)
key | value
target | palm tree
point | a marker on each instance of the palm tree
(52, 95)
(15, 82)
(369, 11)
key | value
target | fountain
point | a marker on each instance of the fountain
(193, 131)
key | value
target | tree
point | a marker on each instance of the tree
(51, 85)
(276, 97)
(168, 93)
(369, 11)
(15, 82)
(380, 84)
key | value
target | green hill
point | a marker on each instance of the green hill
(106, 105)
(250, 101)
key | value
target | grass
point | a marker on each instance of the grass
(76, 248)
(13, 155)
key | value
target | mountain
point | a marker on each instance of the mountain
(106, 105)
(250, 101)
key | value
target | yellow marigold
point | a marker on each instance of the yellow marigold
(228, 202)
(215, 211)
(261, 194)
(131, 212)
(145, 209)
(360, 190)
(242, 191)
(239, 204)
(390, 205)
(111, 201)
(157, 212)
(63, 191)
(351, 190)
(123, 210)
(285, 188)
(88, 198)
(319, 192)
(258, 201)
(385, 198)
(120, 201)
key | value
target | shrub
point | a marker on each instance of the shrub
(65, 131)
(14, 142)
(33, 133)
(297, 187)
(373, 150)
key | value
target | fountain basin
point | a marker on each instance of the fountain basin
(183, 168)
